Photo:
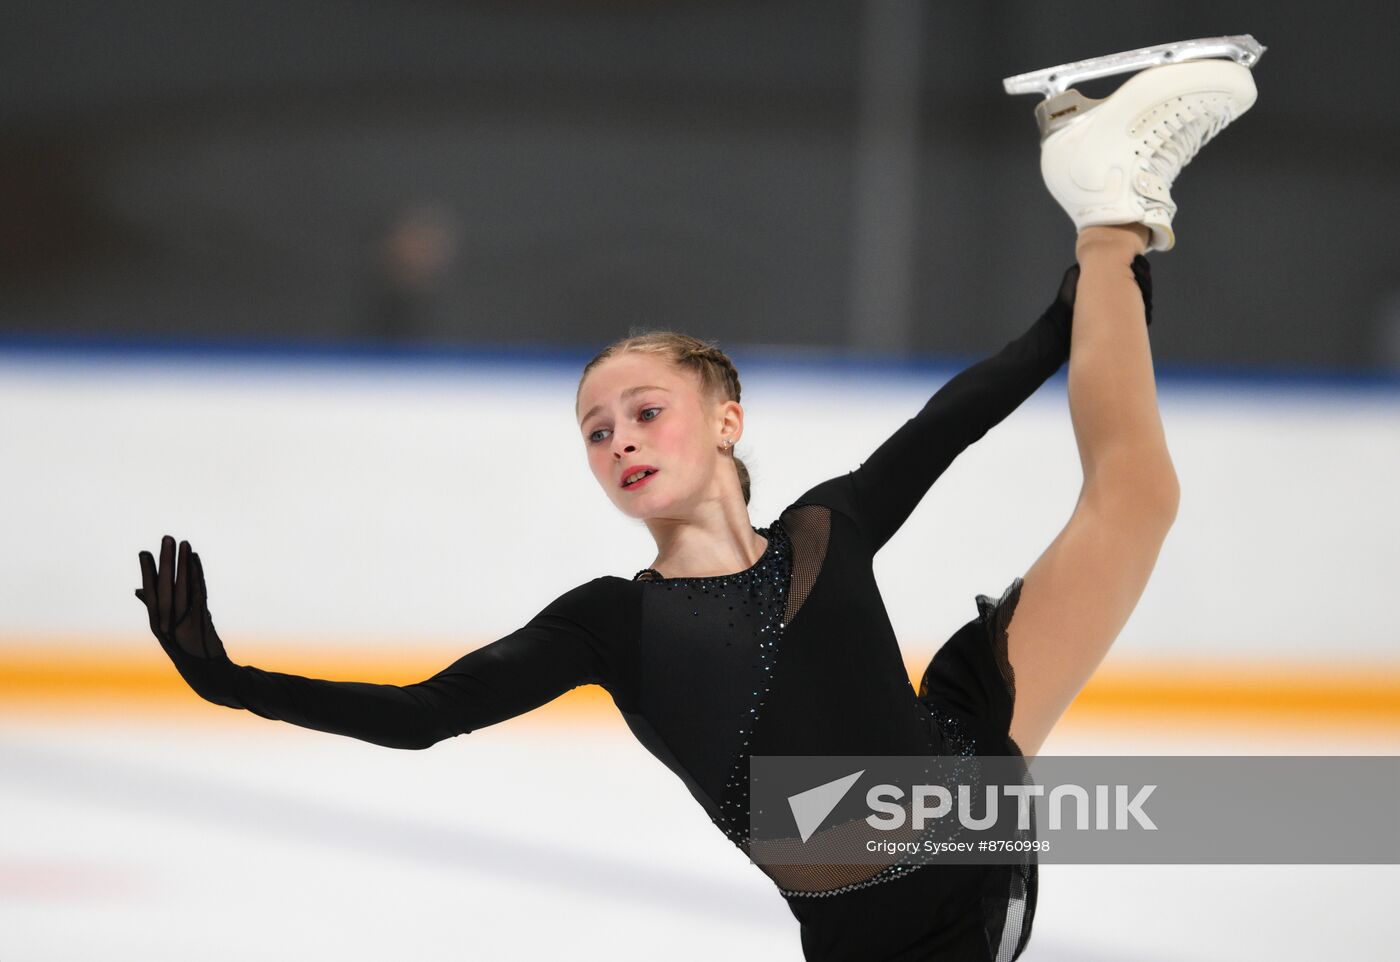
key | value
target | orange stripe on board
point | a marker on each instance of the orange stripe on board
(1361, 697)
(137, 676)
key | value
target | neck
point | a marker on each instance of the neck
(695, 550)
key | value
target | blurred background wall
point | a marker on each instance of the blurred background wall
(815, 174)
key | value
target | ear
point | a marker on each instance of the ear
(731, 420)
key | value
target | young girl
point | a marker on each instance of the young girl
(738, 641)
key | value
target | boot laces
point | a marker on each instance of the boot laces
(1182, 143)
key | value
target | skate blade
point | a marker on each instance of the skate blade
(1051, 81)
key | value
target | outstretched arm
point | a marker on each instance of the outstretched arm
(550, 655)
(887, 487)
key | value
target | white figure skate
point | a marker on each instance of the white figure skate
(1113, 160)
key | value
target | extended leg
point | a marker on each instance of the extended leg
(1078, 594)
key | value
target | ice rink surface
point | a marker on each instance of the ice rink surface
(216, 836)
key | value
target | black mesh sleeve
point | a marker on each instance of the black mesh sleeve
(881, 494)
(554, 652)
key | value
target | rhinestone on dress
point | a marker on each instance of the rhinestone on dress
(763, 591)
(765, 584)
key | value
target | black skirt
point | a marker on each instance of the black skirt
(946, 912)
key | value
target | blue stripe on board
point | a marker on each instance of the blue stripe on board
(339, 352)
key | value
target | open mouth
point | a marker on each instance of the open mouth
(638, 477)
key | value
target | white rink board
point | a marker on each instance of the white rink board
(352, 503)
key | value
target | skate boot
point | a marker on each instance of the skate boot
(1114, 160)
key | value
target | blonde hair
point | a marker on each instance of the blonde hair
(718, 378)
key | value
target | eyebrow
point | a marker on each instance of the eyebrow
(625, 394)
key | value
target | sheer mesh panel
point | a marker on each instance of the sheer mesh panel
(809, 528)
(1009, 920)
(818, 878)
(1014, 911)
(1012, 921)
(999, 612)
(1005, 608)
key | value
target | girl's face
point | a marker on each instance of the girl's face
(637, 410)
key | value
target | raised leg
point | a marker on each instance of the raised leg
(1078, 594)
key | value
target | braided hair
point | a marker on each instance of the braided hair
(719, 380)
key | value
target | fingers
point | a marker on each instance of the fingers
(165, 582)
(147, 591)
(177, 601)
(199, 600)
(148, 579)
(200, 597)
(170, 589)
(182, 584)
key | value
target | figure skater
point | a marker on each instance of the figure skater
(738, 640)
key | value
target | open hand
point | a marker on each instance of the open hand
(177, 602)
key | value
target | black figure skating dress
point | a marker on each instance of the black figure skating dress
(792, 656)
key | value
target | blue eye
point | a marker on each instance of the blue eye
(593, 438)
